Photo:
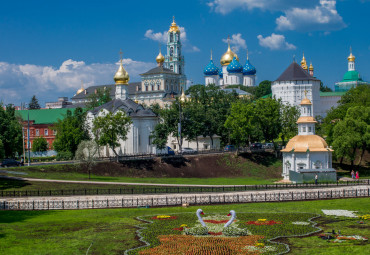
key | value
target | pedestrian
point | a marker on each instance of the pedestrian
(357, 176)
(353, 174)
(316, 177)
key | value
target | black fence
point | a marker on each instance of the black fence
(174, 190)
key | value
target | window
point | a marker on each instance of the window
(174, 146)
(171, 38)
(158, 85)
(303, 129)
(149, 141)
(54, 132)
(171, 51)
(179, 69)
(309, 129)
(171, 67)
(46, 132)
(37, 132)
(152, 87)
(146, 88)
(178, 51)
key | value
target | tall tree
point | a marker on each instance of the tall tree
(101, 97)
(263, 89)
(325, 88)
(70, 131)
(267, 116)
(87, 154)
(34, 103)
(2, 152)
(10, 132)
(112, 128)
(40, 145)
(289, 116)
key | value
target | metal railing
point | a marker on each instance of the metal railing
(185, 199)
(174, 190)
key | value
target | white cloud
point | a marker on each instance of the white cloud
(275, 42)
(311, 15)
(237, 42)
(227, 6)
(322, 17)
(161, 37)
(19, 82)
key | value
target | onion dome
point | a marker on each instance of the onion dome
(228, 55)
(81, 89)
(211, 68)
(351, 57)
(121, 76)
(174, 27)
(234, 66)
(311, 67)
(159, 58)
(249, 69)
(304, 63)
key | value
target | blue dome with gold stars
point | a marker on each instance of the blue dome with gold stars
(249, 69)
(234, 66)
(210, 69)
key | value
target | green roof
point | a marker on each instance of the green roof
(351, 76)
(44, 116)
(332, 94)
(267, 96)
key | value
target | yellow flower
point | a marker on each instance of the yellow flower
(260, 244)
(183, 225)
(261, 219)
(163, 216)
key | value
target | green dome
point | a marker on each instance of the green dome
(351, 76)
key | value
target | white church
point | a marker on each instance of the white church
(231, 71)
(307, 154)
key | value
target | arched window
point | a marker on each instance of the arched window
(179, 69)
(146, 87)
(171, 51)
(152, 85)
(178, 51)
(158, 85)
(171, 38)
(171, 67)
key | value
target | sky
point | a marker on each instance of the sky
(48, 47)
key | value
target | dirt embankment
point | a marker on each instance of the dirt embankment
(200, 166)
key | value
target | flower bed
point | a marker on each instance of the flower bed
(184, 230)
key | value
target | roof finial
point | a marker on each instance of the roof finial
(228, 42)
(173, 19)
(82, 84)
(120, 53)
(247, 54)
(305, 93)
(350, 49)
(211, 54)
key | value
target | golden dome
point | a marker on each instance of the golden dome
(351, 58)
(311, 67)
(302, 143)
(81, 89)
(174, 27)
(121, 76)
(159, 58)
(306, 119)
(305, 101)
(304, 63)
(183, 97)
(228, 56)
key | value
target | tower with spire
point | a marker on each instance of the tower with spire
(174, 60)
(121, 78)
(351, 78)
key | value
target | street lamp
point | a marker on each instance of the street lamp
(182, 99)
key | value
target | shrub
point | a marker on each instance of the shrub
(197, 231)
(64, 155)
(233, 231)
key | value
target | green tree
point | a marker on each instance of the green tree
(10, 132)
(267, 116)
(87, 154)
(111, 128)
(40, 144)
(325, 88)
(289, 116)
(240, 122)
(101, 97)
(2, 152)
(34, 103)
(70, 132)
(263, 89)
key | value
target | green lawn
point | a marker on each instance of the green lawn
(111, 231)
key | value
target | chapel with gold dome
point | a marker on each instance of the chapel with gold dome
(307, 154)
(231, 71)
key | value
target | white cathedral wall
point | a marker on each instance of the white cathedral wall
(212, 80)
(328, 102)
(249, 80)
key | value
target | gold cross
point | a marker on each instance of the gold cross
(305, 93)
(121, 53)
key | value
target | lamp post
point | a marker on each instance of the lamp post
(182, 99)
(28, 138)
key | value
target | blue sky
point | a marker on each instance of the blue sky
(48, 47)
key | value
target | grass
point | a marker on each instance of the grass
(41, 172)
(111, 231)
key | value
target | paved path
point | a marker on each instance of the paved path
(129, 183)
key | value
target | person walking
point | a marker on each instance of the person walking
(357, 176)
(353, 174)
(316, 177)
